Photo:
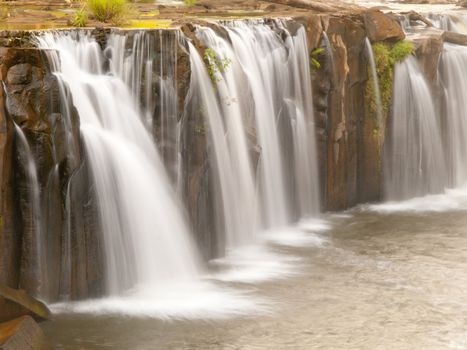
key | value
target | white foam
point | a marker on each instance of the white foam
(253, 264)
(306, 233)
(195, 300)
(452, 199)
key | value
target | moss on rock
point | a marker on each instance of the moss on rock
(386, 56)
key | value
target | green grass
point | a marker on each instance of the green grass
(81, 18)
(113, 11)
(189, 2)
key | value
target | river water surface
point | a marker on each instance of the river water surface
(381, 277)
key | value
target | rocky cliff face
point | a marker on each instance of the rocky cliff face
(349, 151)
(30, 98)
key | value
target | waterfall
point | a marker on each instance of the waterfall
(301, 100)
(279, 86)
(146, 60)
(225, 117)
(32, 267)
(146, 240)
(258, 79)
(376, 89)
(414, 160)
(452, 67)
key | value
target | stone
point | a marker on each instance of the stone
(381, 27)
(428, 49)
(455, 38)
(16, 302)
(19, 74)
(22, 333)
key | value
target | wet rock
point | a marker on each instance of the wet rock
(455, 38)
(19, 74)
(16, 302)
(9, 239)
(21, 334)
(381, 27)
(428, 49)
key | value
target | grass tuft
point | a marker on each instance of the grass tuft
(113, 11)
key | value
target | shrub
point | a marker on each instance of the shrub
(81, 18)
(400, 51)
(189, 2)
(215, 65)
(314, 58)
(114, 11)
(386, 56)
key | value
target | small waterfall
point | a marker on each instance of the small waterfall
(266, 82)
(448, 22)
(225, 117)
(144, 59)
(146, 239)
(300, 100)
(33, 238)
(452, 67)
(376, 89)
(414, 160)
(330, 53)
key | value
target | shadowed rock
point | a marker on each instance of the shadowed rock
(21, 334)
(16, 302)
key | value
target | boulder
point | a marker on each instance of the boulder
(22, 333)
(15, 303)
(428, 50)
(455, 38)
(380, 27)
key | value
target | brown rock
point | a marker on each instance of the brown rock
(15, 303)
(428, 49)
(381, 27)
(455, 38)
(21, 334)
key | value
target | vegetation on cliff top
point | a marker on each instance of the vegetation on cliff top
(116, 12)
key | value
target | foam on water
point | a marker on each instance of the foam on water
(193, 300)
(451, 199)
(253, 264)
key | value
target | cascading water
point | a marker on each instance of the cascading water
(138, 58)
(261, 54)
(452, 67)
(377, 91)
(225, 116)
(32, 267)
(278, 78)
(146, 240)
(414, 160)
(252, 89)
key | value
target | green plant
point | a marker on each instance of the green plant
(386, 56)
(215, 65)
(189, 2)
(114, 11)
(81, 18)
(400, 51)
(314, 56)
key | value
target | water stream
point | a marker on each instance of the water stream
(146, 238)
